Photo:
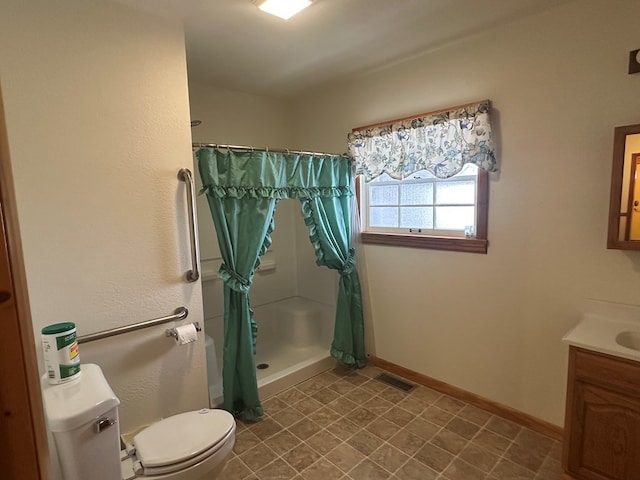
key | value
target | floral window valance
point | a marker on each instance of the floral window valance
(441, 143)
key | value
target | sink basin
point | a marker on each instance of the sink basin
(611, 336)
(629, 339)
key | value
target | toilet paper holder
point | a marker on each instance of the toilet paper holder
(172, 331)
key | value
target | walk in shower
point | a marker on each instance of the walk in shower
(293, 302)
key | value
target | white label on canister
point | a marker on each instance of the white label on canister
(61, 356)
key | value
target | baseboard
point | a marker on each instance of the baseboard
(508, 413)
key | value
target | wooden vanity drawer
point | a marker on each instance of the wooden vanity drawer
(607, 370)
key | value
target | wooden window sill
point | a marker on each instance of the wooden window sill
(454, 244)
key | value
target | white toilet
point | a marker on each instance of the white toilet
(82, 415)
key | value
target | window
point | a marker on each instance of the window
(425, 211)
(423, 179)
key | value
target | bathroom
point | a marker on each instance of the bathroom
(97, 101)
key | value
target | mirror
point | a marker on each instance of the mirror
(624, 203)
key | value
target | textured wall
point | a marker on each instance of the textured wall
(492, 324)
(98, 123)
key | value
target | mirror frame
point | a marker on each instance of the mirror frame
(619, 139)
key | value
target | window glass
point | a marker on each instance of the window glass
(416, 217)
(416, 194)
(455, 218)
(383, 195)
(456, 192)
(383, 217)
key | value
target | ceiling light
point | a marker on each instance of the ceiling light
(282, 8)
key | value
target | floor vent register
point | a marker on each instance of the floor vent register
(395, 382)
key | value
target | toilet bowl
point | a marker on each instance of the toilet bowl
(82, 416)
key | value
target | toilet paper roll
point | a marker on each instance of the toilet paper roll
(186, 334)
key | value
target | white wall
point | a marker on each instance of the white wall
(98, 124)
(492, 324)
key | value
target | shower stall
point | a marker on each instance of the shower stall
(292, 298)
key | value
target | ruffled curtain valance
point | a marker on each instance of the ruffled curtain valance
(274, 175)
(441, 143)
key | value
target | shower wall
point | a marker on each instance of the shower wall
(230, 117)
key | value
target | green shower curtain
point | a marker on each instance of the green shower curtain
(242, 190)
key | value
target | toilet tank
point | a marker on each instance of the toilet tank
(82, 416)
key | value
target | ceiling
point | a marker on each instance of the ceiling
(232, 44)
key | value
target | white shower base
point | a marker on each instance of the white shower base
(294, 337)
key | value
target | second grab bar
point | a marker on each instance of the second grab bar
(185, 175)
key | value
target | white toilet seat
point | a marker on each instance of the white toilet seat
(181, 441)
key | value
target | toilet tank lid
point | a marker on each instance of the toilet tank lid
(75, 403)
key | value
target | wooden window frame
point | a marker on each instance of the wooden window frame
(477, 244)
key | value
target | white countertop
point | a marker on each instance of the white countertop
(598, 333)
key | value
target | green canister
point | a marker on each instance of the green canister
(61, 356)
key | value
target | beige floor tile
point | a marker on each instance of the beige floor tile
(383, 428)
(308, 405)
(426, 394)
(423, 428)
(367, 470)
(374, 386)
(283, 442)
(474, 415)
(326, 395)
(437, 415)
(434, 457)
(506, 470)
(449, 404)
(276, 470)
(244, 441)
(359, 395)
(393, 395)
(324, 416)
(449, 441)
(407, 442)
(503, 427)
(460, 470)
(378, 405)
(462, 427)
(389, 458)
(258, 456)
(235, 469)
(414, 470)
(345, 457)
(399, 416)
(301, 457)
(479, 457)
(323, 469)
(343, 429)
(265, 428)
(344, 425)
(361, 416)
(492, 441)
(365, 442)
(291, 396)
(323, 442)
(305, 428)
(287, 417)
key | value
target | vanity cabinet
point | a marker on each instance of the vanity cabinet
(602, 421)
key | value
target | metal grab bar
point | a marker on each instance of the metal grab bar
(180, 314)
(185, 175)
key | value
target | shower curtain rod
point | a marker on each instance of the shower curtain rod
(267, 149)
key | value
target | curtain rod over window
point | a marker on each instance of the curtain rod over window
(420, 115)
(266, 149)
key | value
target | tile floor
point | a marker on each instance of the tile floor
(345, 425)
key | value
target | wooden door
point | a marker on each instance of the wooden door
(634, 200)
(23, 442)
